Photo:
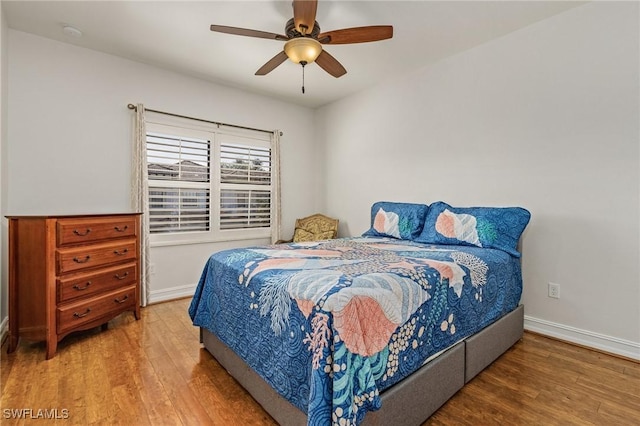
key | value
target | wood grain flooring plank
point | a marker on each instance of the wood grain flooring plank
(6, 364)
(100, 404)
(617, 414)
(511, 405)
(618, 387)
(215, 403)
(569, 407)
(185, 402)
(72, 387)
(19, 391)
(632, 370)
(153, 395)
(128, 404)
(511, 379)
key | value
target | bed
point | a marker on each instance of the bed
(373, 330)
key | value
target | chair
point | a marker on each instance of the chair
(314, 228)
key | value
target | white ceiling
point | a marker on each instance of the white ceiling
(175, 35)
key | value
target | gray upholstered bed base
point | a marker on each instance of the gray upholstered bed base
(435, 382)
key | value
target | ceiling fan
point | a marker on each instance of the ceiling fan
(304, 40)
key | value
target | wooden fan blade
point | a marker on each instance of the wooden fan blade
(357, 35)
(330, 64)
(248, 33)
(304, 15)
(272, 63)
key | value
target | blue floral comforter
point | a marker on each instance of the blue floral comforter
(331, 324)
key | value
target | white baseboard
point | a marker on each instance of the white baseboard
(171, 293)
(591, 339)
(4, 329)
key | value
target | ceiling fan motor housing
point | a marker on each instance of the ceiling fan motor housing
(292, 32)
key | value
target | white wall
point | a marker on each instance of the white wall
(4, 276)
(70, 139)
(545, 118)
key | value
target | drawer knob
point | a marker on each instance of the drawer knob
(120, 253)
(121, 277)
(85, 260)
(77, 287)
(126, 296)
(118, 229)
(77, 315)
(82, 234)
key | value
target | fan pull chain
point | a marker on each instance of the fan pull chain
(303, 63)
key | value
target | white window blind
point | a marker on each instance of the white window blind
(178, 209)
(208, 184)
(179, 183)
(245, 186)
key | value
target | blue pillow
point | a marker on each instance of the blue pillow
(397, 220)
(493, 227)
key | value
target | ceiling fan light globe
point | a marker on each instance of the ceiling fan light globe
(302, 49)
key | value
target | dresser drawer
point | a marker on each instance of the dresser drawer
(86, 230)
(94, 255)
(109, 305)
(85, 285)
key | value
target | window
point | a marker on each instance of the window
(245, 186)
(208, 184)
(179, 183)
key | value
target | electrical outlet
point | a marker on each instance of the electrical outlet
(554, 290)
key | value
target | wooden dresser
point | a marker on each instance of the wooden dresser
(69, 273)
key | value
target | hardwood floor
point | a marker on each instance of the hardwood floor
(155, 372)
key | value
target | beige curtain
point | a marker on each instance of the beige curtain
(275, 181)
(140, 199)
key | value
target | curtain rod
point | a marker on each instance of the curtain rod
(132, 106)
